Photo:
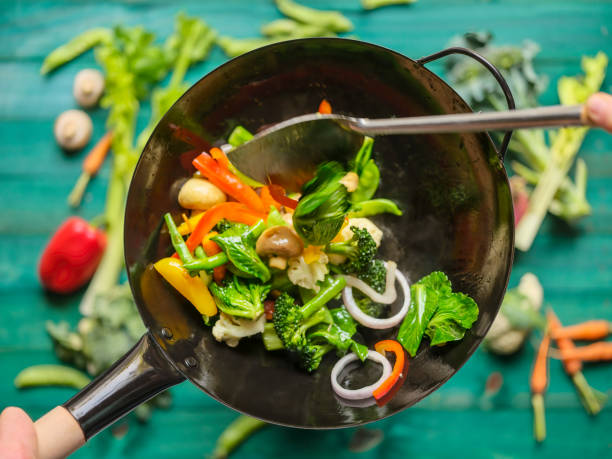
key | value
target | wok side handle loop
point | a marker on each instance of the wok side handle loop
(139, 375)
(492, 69)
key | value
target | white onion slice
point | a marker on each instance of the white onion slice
(364, 392)
(390, 294)
(226, 148)
(373, 322)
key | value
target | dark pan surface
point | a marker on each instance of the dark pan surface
(452, 188)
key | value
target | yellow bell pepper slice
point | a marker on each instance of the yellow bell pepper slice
(191, 288)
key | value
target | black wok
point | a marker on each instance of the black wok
(458, 218)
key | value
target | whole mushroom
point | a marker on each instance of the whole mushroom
(279, 241)
(72, 129)
(88, 87)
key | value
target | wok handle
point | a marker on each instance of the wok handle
(139, 375)
(493, 70)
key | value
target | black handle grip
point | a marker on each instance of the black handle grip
(491, 68)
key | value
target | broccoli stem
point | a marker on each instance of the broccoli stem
(341, 248)
(235, 434)
(327, 293)
(271, 340)
(177, 240)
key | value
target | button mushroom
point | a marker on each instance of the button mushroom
(200, 194)
(88, 87)
(279, 241)
(72, 129)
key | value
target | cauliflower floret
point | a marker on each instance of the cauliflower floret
(347, 233)
(307, 275)
(230, 329)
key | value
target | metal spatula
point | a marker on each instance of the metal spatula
(288, 152)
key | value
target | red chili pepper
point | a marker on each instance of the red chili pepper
(388, 386)
(72, 255)
(278, 194)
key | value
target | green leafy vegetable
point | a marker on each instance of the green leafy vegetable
(240, 298)
(437, 312)
(320, 212)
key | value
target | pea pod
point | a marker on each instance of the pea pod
(74, 48)
(374, 207)
(368, 182)
(51, 375)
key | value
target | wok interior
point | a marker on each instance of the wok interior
(452, 189)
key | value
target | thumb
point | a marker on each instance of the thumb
(17, 435)
(599, 110)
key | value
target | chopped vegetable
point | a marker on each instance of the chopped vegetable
(331, 20)
(364, 392)
(231, 330)
(278, 194)
(385, 295)
(437, 312)
(72, 255)
(590, 330)
(192, 288)
(290, 29)
(199, 194)
(239, 136)
(324, 107)
(75, 47)
(539, 383)
(211, 248)
(72, 129)
(51, 375)
(374, 207)
(240, 298)
(88, 87)
(398, 367)
(177, 240)
(373, 4)
(596, 352)
(359, 250)
(235, 434)
(267, 199)
(91, 165)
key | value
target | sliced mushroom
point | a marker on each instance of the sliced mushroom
(200, 194)
(279, 241)
(72, 129)
(88, 87)
(278, 263)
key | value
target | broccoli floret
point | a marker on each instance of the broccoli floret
(240, 298)
(360, 250)
(311, 356)
(375, 275)
(368, 306)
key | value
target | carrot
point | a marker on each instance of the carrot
(91, 165)
(212, 248)
(596, 352)
(590, 330)
(591, 399)
(325, 107)
(220, 156)
(539, 383)
(267, 198)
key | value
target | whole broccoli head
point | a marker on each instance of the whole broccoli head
(375, 275)
(360, 250)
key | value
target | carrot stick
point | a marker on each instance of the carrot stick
(325, 107)
(539, 383)
(590, 330)
(220, 156)
(596, 352)
(91, 165)
(592, 400)
(267, 198)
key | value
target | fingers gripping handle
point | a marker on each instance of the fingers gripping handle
(58, 434)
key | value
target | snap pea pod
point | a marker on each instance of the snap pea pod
(51, 375)
(234, 47)
(235, 434)
(333, 21)
(290, 28)
(368, 182)
(75, 47)
(177, 240)
(374, 207)
(372, 4)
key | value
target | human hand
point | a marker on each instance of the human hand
(17, 435)
(599, 110)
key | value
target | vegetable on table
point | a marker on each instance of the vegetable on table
(235, 434)
(75, 47)
(373, 4)
(72, 129)
(51, 375)
(192, 288)
(596, 352)
(331, 20)
(590, 330)
(592, 400)
(538, 384)
(71, 256)
(88, 87)
(398, 367)
(91, 165)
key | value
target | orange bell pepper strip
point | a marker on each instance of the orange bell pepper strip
(267, 199)
(232, 211)
(390, 345)
(191, 288)
(212, 248)
(220, 156)
(228, 182)
(278, 194)
(325, 107)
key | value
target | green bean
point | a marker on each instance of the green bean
(206, 263)
(75, 47)
(372, 4)
(51, 375)
(333, 21)
(199, 252)
(235, 434)
(177, 240)
(236, 46)
(374, 207)
(255, 231)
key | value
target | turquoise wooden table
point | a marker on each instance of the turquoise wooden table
(574, 264)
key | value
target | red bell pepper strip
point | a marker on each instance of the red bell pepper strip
(220, 157)
(232, 211)
(398, 367)
(267, 199)
(72, 255)
(278, 194)
(228, 182)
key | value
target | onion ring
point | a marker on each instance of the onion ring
(390, 294)
(373, 322)
(364, 392)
